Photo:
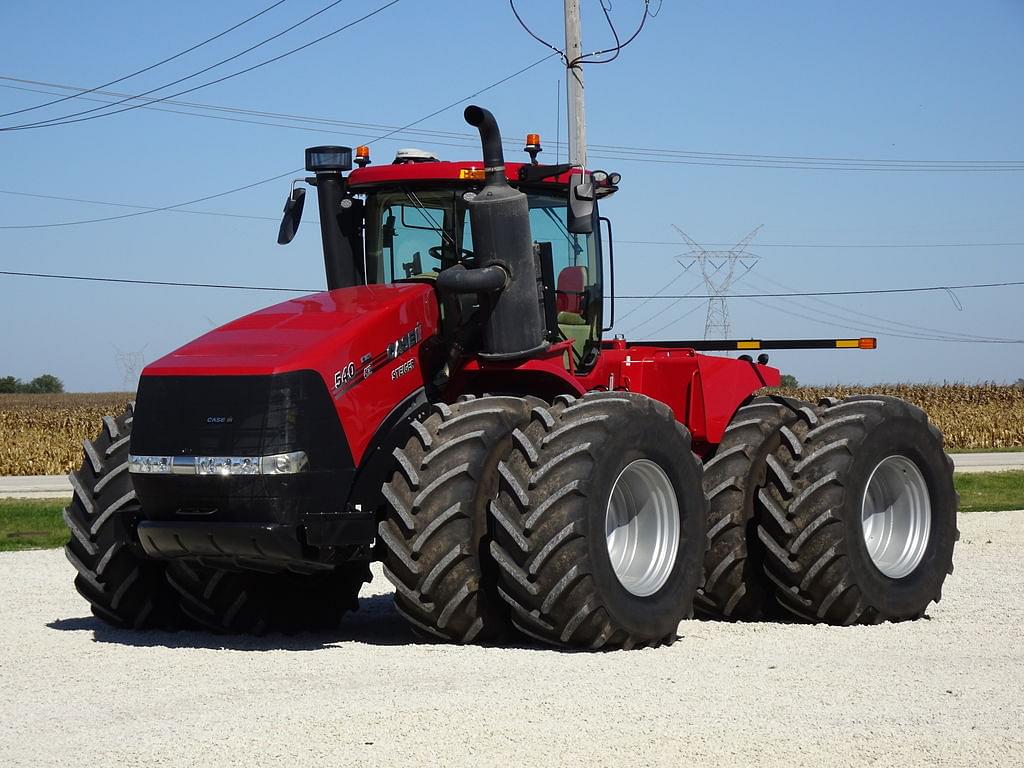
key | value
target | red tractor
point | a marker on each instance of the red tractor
(451, 407)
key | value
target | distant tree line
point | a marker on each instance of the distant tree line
(40, 385)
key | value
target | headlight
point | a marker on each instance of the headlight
(226, 466)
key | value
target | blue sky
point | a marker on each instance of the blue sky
(909, 80)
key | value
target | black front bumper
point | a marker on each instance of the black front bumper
(316, 545)
(302, 521)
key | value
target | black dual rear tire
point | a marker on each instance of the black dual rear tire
(550, 521)
(735, 587)
(812, 516)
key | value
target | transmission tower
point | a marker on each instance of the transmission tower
(720, 270)
(131, 364)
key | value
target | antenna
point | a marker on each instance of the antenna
(720, 270)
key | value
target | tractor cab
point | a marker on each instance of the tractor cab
(417, 224)
(409, 221)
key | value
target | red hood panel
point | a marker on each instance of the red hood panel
(316, 331)
(347, 336)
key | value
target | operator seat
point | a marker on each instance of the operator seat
(570, 293)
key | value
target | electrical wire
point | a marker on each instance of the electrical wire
(84, 118)
(677, 319)
(166, 283)
(861, 292)
(587, 58)
(144, 207)
(150, 67)
(175, 209)
(619, 153)
(436, 112)
(531, 33)
(875, 323)
(848, 327)
(153, 210)
(837, 245)
(618, 46)
(661, 312)
(661, 290)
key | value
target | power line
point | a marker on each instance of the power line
(839, 245)
(847, 326)
(864, 292)
(148, 208)
(165, 283)
(676, 319)
(953, 167)
(879, 291)
(476, 93)
(661, 312)
(617, 48)
(153, 210)
(151, 66)
(65, 121)
(607, 152)
(614, 50)
(877, 324)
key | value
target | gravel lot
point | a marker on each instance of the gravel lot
(943, 691)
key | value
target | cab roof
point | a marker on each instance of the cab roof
(467, 171)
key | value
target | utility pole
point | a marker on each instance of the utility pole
(574, 85)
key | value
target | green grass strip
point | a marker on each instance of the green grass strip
(990, 491)
(31, 524)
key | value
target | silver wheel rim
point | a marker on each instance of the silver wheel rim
(896, 515)
(641, 525)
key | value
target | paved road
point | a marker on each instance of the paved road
(57, 486)
(35, 487)
(988, 462)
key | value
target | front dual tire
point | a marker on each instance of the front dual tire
(579, 523)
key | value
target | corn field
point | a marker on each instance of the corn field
(970, 416)
(42, 434)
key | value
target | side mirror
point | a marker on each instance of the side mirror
(292, 216)
(581, 204)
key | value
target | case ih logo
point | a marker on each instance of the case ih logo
(219, 419)
(351, 375)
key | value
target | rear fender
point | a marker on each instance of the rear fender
(544, 377)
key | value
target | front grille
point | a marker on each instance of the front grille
(239, 416)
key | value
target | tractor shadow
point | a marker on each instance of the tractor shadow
(375, 623)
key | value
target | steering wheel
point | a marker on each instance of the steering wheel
(437, 252)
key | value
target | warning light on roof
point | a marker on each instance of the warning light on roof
(868, 343)
(362, 156)
(532, 147)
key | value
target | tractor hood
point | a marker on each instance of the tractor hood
(322, 331)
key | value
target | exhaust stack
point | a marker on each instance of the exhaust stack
(500, 220)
